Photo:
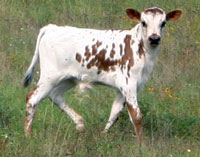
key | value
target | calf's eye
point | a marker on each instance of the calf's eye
(163, 24)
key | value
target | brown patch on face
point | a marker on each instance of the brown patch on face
(78, 57)
(141, 49)
(112, 53)
(153, 10)
(28, 96)
(137, 119)
(87, 53)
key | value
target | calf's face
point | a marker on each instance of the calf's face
(153, 21)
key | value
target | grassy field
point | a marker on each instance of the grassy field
(170, 101)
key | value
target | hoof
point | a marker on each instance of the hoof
(104, 133)
(27, 134)
(80, 128)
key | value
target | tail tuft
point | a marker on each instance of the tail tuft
(28, 77)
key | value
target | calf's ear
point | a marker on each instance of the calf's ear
(133, 14)
(174, 15)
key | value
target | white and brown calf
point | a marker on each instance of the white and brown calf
(120, 59)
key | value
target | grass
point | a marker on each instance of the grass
(170, 101)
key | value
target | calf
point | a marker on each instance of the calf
(122, 59)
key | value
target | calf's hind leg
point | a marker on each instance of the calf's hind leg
(33, 98)
(57, 96)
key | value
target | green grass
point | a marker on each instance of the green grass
(170, 101)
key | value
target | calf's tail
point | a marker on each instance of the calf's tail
(29, 73)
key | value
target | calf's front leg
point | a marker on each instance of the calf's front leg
(136, 118)
(134, 112)
(117, 108)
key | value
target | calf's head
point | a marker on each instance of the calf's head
(152, 22)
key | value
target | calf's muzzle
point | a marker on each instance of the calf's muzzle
(154, 40)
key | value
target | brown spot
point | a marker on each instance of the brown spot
(83, 61)
(95, 46)
(128, 56)
(99, 58)
(153, 10)
(28, 96)
(112, 53)
(123, 60)
(94, 50)
(98, 44)
(101, 55)
(91, 63)
(126, 80)
(112, 69)
(132, 42)
(141, 49)
(137, 119)
(137, 32)
(101, 63)
(87, 53)
(121, 47)
(78, 57)
(104, 64)
(113, 45)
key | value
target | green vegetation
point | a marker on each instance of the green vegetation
(170, 101)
